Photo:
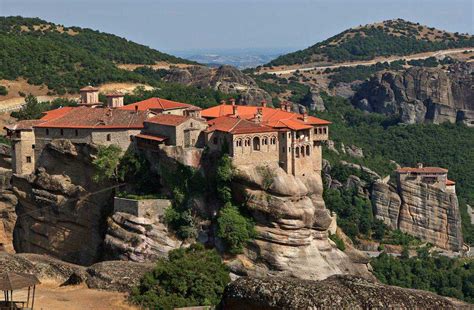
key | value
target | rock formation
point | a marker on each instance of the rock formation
(8, 200)
(421, 210)
(60, 211)
(292, 226)
(226, 79)
(421, 94)
(336, 292)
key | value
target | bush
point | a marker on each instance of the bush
(3, 90)
(189, 277)
(106, 163)
(338, 241)
(234, 229)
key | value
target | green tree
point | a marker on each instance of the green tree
(3, 90)
(223, 178)
(234, 229)
(31, 110)
(189, 277)
(106, 163)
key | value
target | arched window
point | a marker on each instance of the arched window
(297, 152)
(256, 144)
(302, 151)
(247, 141)
(272, 140)
(238, 142)
(307, 150)
(109, 137)
(265, 141)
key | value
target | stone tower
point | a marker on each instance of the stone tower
(89, 96)
(115, 99)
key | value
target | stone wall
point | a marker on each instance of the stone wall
(176, 134)
(23, 152)
(141, 208)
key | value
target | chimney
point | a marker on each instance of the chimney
(222, 101)
(288, 107)
(305, 116)
(136, 109)
(419, 165)
(232, 101)
(264, 103)
(235, 111)
(283, 106)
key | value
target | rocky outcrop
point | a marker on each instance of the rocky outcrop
(138, 239)
(336, 292)
(60, 211)
(226, 79)
(8, 217)
(292, 226)
(422, 210)
(421, 94)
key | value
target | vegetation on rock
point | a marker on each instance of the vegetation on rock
(189, 277)
(234, 229)
(106, 163)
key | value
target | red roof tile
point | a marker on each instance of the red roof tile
(158, 104)
(422, 170)
(52, 114)
(270, 116)
(236, 125)
(168, 119)
(100, 118)
(449, 182)
(115, 94)
(150, 137)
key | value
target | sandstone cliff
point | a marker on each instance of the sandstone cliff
(421, 210)
(336, 292)
(421, 94)
(226, 79)
(292, 224)
(60, 211)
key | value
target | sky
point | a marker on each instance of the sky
(184, 25)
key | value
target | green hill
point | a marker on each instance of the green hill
(66, 58)
(393, 37)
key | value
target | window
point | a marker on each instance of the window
(256, 144)
(302, 151)
(315, 131)
(238, 142)
(289, 135)
(283, 149)
(28, 159)
(325, 130)
(47, 131)
(265, 141)
(33, 146)
(76, 132)
(307, 150)
(297, 151)
(62, 132)
(191, 124)
(273, 140)
(109, 137)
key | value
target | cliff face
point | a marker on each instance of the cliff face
(336, 292)
(8, 202)
(226, 79)
(420, 210)
(421, 94)
(60, 211)
(292, 224)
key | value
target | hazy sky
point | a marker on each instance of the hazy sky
(171, 25)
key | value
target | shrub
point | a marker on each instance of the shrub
(106, 163)
(234, 229)
(3, 90)
(189, 277)
(338, 241)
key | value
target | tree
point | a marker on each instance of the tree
(234, 229)
(106, 163)
(189, 277)
(223, 177)
(3, 90)
(31, 110)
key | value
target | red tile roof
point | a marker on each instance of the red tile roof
(168, 119)
(99, 118)
(270, 116)
(422, 170)
(449, 182)
(150, 137)
(158, 104)
(49, 115)
(24, 125)
(115, 94)
(236, 125)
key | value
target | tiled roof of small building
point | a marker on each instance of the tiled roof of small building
(52, 114)
(168, 119)
(158, 104)
(270, 116)
(24, 124)
(236, 125)
(103, 118)
(151, 137)
(422, 170)
(89, 88)
(114, 93)
(449, 182)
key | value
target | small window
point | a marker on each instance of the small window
(76, 132)
(289, 135)
(109, 137)
(325, 130)
(47, 131)
(28, 159)
(62, 132)
(191, 124)
(315, 131)
(33, 146)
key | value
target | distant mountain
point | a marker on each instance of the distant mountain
(392, 37)
(66, 58)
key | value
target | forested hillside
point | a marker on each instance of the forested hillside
(67, 58)
(393, 37)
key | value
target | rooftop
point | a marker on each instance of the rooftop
(168, 119)
(158, 104)
(100, 118)
(422, 170)
(24, 125)
(89, 88)
(115, 93)
(272, 117)
(236, 125)
(449, 182)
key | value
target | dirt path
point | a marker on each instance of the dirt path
(51, 297)
(371, 62)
